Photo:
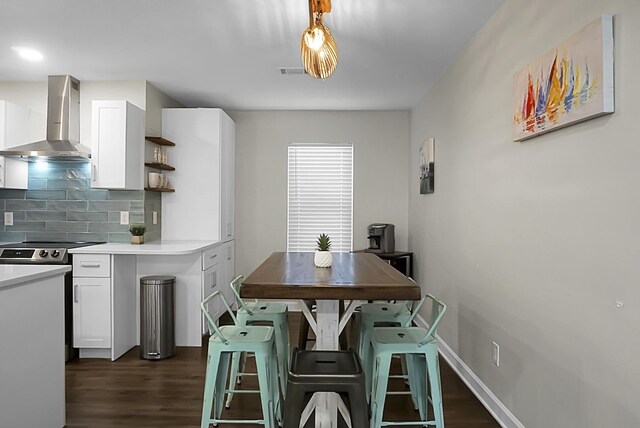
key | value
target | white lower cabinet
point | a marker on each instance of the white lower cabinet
(217, 274)
(106, 301)
(92, 312)
(104, 296)
(227, 256)
(210, 284)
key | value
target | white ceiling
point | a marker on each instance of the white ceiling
(227, 53)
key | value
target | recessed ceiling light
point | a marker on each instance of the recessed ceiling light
(28, 53)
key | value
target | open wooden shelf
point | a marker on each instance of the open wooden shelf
(160, 141)
(162, 189)
(161, 166)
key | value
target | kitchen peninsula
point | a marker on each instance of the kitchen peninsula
(32, 350)
(107, 278)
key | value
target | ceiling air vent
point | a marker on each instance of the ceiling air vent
(292, 70)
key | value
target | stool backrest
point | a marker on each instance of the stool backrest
(213, 328)
(438, 308)
(235, 287)
(413, 306)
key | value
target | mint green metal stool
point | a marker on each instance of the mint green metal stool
(420, 348)
(374, 314)
(249, 313)
(225, 341)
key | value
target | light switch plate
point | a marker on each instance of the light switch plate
(495, 354)
(8, 219)
(124, 217)
(155, 217)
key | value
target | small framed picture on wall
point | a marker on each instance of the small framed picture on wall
(427, 166)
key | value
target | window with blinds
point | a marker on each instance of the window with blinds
(320, 199)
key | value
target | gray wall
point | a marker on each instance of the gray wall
(381, 151)
(532, 244)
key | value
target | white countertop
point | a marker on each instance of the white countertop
(154, 248)
(11, 275)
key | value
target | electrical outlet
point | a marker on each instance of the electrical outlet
(8, 219)
(155, 217)
(124, 217)
(496, 354)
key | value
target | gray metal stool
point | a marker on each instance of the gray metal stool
(325, 371)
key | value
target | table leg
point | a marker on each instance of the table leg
(327, 328)
(327, 325)
(327, 339)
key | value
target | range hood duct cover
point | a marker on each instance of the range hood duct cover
(63, 126)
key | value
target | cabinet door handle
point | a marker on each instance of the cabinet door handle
(94, 172)
(213, 256)
(90, 265)
(75, 293)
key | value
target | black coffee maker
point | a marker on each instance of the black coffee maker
(381, 238)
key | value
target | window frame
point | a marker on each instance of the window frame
(320, 145)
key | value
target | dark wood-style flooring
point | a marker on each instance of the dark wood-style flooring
(132, 392)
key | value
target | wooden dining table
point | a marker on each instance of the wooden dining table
(353, 277)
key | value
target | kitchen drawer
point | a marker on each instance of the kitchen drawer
(210, 257)
(92, 265)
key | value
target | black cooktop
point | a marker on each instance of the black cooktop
(39, 252)
(50, 244)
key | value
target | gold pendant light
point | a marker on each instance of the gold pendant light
(319, 52)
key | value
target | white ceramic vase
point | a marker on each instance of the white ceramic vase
(322, 259)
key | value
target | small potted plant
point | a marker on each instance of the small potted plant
(137, 233)
(322, 257)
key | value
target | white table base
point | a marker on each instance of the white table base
(327, 326)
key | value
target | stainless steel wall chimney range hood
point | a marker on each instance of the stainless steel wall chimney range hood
(63, 126)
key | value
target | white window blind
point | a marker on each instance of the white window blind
(320, 196)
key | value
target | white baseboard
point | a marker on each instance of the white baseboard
(499, 411)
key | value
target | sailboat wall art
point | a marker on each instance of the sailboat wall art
(570, 84)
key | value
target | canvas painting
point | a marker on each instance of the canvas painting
(571, 83)
(427, 166)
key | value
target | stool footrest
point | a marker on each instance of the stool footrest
(247, 374)
(395, 424)
(236, 421)
(242, 391)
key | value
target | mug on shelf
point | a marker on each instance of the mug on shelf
(155, 180)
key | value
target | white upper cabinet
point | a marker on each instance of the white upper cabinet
(117, 145)
(202, 206)
(14, 131)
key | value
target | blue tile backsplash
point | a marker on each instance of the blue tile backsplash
(60, 205)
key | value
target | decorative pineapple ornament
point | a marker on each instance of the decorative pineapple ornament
(322, 257)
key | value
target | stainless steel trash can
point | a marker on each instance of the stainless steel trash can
(157, 317)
